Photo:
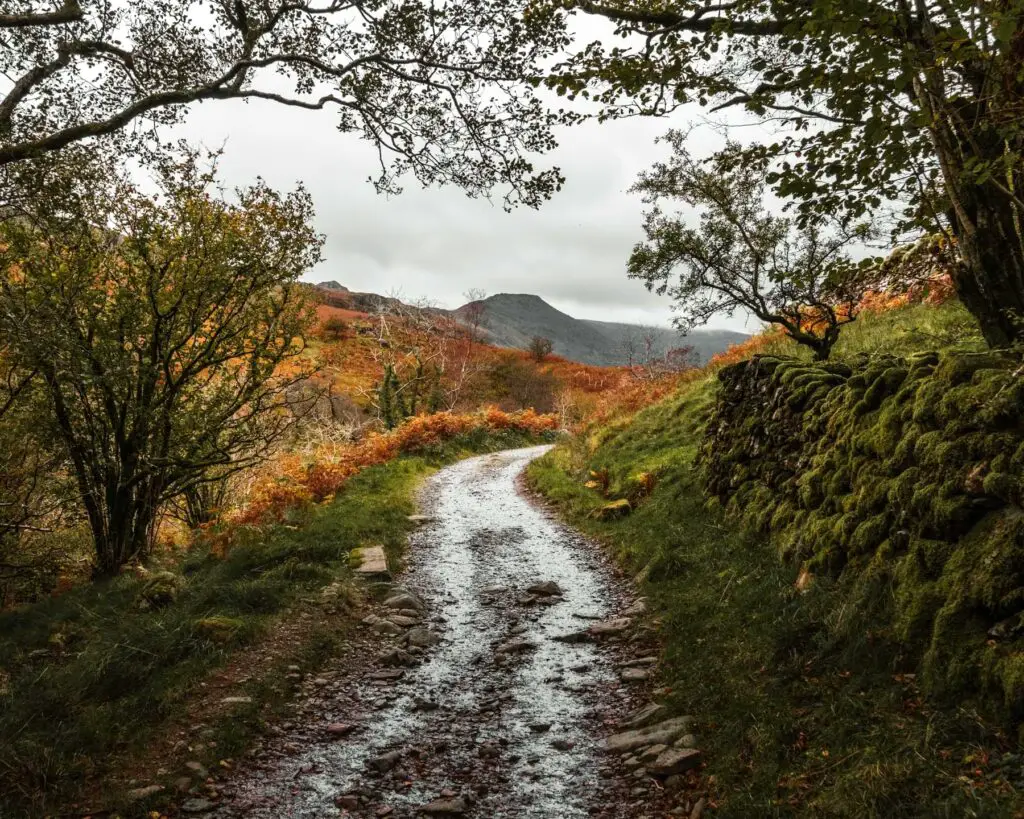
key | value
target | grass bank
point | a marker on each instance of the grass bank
(806, 706)
(89, 683)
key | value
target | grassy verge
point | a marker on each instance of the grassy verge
(795, 719)
(88, 683)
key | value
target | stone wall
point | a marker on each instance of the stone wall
(907, 473)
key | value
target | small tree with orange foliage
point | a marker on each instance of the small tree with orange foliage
(166, 343)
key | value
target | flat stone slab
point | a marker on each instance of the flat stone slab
(662, 733)
(374, 562)
(645, 716)
(598, 631)
(674, 761)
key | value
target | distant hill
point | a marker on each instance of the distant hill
(511, 320)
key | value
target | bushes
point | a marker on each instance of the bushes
(293, 481)
(897, 468)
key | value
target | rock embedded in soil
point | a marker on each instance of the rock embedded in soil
(651, 753)
(198, 768)
(197, 806)
(608, 628)
(546, 589)
(674, 761)
(645, 716)
(638, 608)
(387, 674)
(422, 637)
(445, 807)
(397, 657)
(374, 562)
(385, 762)
(143, 793)
(515, 647)
(381, 625)
(339, 729)
(661, 733)
(635, 675)
(598, 631)
(404, 600)
(638, 662)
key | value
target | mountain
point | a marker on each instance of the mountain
(511, 320)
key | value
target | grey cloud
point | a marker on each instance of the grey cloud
(438, 243)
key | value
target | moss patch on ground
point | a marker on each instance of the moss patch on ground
(807, 704)
(90, 680)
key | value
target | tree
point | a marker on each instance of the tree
(743, 257)
(165, 341)
(519, 385)
(435, 86)
(333, 328)
(540, 348)
(680, 359)
(884, 100)
(428, 351)
(33, 492)
(474, 312)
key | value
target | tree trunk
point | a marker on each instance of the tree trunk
(989, 279)
(985, 214)
(125, 531)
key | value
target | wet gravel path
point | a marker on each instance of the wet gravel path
(460, 700)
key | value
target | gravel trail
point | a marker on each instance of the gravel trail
(465, 697)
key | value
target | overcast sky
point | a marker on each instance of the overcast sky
(438, 243)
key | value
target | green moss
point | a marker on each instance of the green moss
(926, 401)
(957, 369)
(884, 385)
(218, 629)
(1002, 485)
(812, 490)
(903, 488)
(881, 476)
(870, 533)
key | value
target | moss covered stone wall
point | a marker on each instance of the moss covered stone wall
(902, 474)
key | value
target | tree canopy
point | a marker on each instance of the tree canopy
(437, 87)
(920, 103)
(167, 341)
(741, 256)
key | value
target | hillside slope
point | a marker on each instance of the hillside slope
(512, 319)
(810, 695)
